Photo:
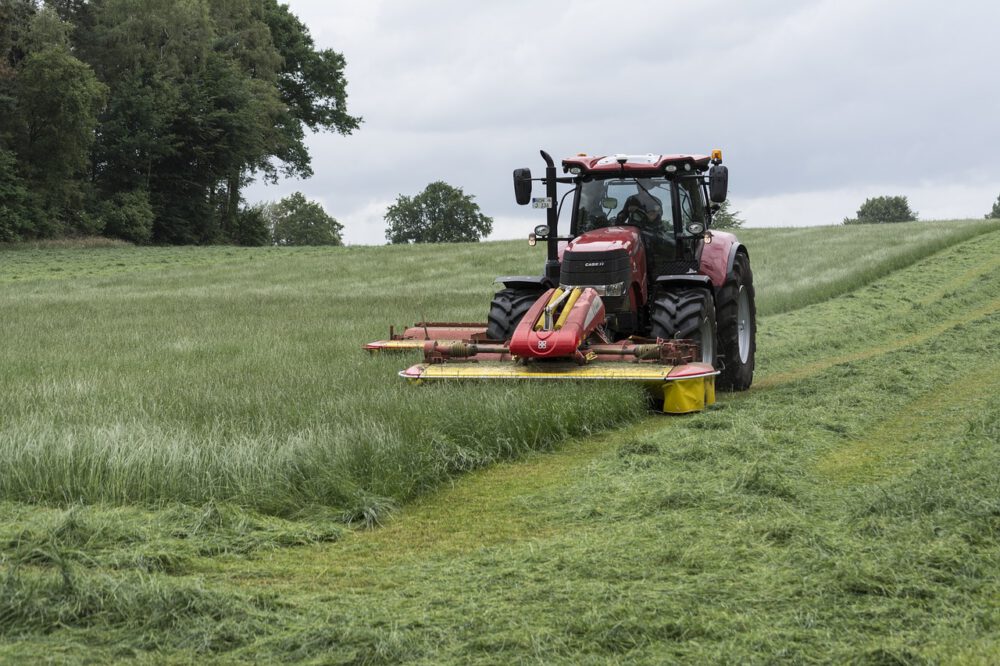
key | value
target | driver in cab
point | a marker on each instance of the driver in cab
(642, 210)
(645, 211)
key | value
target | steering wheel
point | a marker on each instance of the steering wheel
(635, 216)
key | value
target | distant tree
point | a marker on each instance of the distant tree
(439, 214)
(726, 219)
(297, 221)
(883, 210)
(995, 213)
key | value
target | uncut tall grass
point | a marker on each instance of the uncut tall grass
(151, 375)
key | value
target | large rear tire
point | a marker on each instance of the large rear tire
(507, 309)
(688, 314)
(737, 318)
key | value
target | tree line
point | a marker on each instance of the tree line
(145, 119)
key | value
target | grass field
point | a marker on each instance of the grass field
(184, 431)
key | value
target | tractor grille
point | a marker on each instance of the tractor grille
(679, 267)
(595, 268)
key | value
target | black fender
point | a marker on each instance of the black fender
(539, 282)
(665, 281)
(737, 248)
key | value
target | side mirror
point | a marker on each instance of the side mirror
(718, 183)
(522, 186)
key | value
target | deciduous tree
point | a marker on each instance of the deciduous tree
(297, 221)
(995, 213)
(205, 96)
(883, 210)
(57, 99)
(439, 214)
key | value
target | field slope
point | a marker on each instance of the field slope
(844, 510)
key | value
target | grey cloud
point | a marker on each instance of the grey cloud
(802, 96)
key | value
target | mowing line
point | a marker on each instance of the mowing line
(987, 267)
(816, 367)
(892, 448)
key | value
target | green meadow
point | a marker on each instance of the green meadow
(198, 462)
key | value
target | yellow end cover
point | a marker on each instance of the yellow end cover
(688, 395)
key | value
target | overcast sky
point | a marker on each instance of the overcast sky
(815, 104)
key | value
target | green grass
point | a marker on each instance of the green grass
(152, 375)
(844, 512)
(181, 442)
(238, 376)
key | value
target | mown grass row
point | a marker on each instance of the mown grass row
(846, 513)
(235, 375)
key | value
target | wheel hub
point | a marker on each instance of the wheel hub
(743, 324)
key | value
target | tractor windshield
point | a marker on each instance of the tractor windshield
(640, 202)
(643, 202)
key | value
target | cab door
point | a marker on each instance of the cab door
(670, 255)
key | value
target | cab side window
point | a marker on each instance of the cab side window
(687, 210)
(692, 203)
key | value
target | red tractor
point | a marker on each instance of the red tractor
(641, 288)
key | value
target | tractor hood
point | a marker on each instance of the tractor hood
(607, 239)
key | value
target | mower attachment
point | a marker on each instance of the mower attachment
(559, 338)
(680, 388)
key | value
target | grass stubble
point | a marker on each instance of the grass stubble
(749, 533)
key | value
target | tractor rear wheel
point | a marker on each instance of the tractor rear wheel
(507, 309)
(687, 314)
(737, 318)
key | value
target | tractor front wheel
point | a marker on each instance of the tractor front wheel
(737, 317)
(506, 310)
(687, 314)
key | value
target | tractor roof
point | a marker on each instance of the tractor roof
(611, 164)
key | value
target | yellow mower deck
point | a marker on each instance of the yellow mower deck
(682, 388)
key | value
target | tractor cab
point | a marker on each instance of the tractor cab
(636, 219)
(670, 232)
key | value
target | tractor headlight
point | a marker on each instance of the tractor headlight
(541, 231)
(616, 289)
(695, 228)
